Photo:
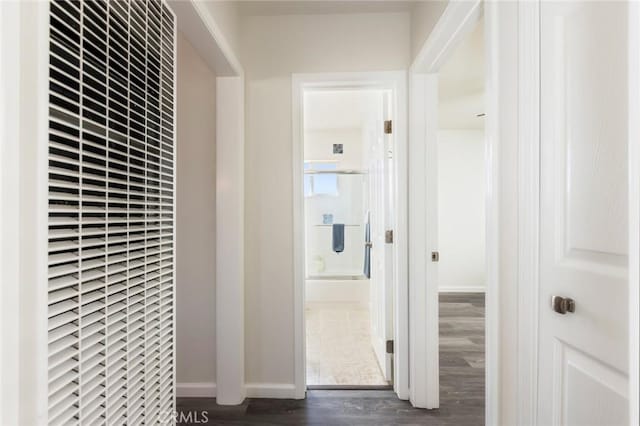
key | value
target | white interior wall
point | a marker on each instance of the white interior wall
(461, 166)
(195, 221)
(274, 47)
(318, 146)
(461, 210)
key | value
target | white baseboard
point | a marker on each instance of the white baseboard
(253, 390)
(196, 390)
(467, 289)
(271, 390)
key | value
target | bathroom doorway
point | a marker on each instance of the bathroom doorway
(347, 161)
(350, 222)
(350, 231)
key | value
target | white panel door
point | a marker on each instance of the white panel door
(582, 375)
(380, 311)
(389, 219)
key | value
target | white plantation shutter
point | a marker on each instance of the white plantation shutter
(111, 212)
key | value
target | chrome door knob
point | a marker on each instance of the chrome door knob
(562, 305)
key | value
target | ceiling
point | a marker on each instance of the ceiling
(461, 84)
(315, 7)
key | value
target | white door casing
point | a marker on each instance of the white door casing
(582, 370)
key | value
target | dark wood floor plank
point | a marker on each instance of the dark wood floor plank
(461, 387)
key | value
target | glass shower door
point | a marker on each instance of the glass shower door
(335, 199)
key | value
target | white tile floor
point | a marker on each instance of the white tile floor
(339, 350)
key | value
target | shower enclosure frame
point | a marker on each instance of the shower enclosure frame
(336, 276)
(396, 82)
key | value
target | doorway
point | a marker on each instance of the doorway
(461, 108)
(347, 159)
(351, 317)
(461, 242)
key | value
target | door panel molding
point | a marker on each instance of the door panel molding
(575, 368)
(584, 229)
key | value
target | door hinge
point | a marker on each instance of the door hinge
(388, 127)
(388, 236)
(435, 256)
(389, 346)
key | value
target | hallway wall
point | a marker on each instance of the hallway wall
(274, 47)
(196, 220)
(461, 210)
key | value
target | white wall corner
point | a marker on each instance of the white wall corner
(634, 213)
(196, 390)
(230, 240)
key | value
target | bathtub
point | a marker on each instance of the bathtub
(337, 288)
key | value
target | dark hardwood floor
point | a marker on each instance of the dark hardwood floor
(461, 386)
(462, 355)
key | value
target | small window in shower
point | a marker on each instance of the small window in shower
(317, 182)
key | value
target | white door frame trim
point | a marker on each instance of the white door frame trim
(396, 81)
(9, 214)
(528, 286)
(423, 308)
(24, 210)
